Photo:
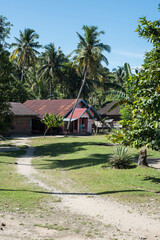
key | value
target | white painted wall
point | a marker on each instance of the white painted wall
(89, 128)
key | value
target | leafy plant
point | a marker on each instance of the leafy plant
(121, 158)
(142, 128)
(51, 120)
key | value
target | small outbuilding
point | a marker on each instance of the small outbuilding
(22, 119)
(109, 115)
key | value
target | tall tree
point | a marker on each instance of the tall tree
(51, 65)
(68, 87)
(5, 27)
(122, 74)
(89, 56)
(5, 73)
(119, 75)
(25, 51)
(143, 127)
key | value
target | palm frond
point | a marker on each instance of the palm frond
(104, 47)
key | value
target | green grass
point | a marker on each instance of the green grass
(23, 147)
(85, 161)
(75, 165)
(15, 194)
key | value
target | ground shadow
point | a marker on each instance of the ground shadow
(57, 149)
(104, 144)
(73, 193)
(71, 164)
(152, 179)
(14, 154)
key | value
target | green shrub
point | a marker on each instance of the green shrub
(121, 158)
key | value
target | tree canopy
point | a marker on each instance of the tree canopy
(5, 74)
(25, 51)
(52, 120)
(143, 127)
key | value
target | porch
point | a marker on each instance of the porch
(80, 125)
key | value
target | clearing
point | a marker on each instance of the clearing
(73, 206)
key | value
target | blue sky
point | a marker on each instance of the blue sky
(58, 21)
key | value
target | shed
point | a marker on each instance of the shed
(22, 119)
(106, 113)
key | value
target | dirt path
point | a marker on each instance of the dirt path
(125, 220)
(154, 162)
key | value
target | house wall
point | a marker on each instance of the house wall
(82, 125)
(21, 125)
(89, 128)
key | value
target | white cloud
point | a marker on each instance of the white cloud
(129, 54)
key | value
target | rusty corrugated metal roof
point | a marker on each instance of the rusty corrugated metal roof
(18, 109)
(105, 110)
(78, 112)
(56, 106)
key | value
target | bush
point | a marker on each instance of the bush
(121, 158)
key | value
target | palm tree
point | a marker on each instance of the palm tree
(119, 75)
(51, 64)
(70, 85)
(25, 50)
(89, 56)
(124, 89)
(122, 74)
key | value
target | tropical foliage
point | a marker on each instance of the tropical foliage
(143, 127)
(51, 67)
(52, 120)
(25, 50)
(46, 73)
(121, 158)
(89, 50)
(5, 74)
(88, 58)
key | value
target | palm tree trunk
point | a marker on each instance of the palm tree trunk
(22, 74)
(50, 88)
(83, 81)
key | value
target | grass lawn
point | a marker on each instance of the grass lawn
(15, 194)
(81, 164)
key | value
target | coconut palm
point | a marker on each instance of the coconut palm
(89, 56)
(51, 64)
(122, 74)
(119, 75)
(25, 51)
